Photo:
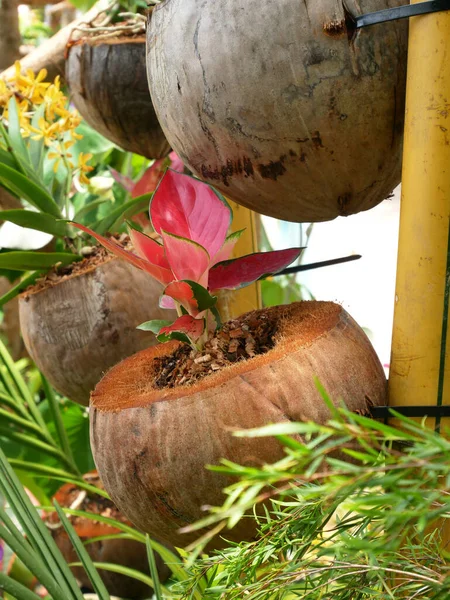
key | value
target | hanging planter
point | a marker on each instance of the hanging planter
(108, 85)
(80, 322)
(289, 115)
(126, 553)
(168, 430)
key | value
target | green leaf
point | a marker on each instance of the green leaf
(125, 211)
(16, 589)
(15, 135)
(173, 335)
(153, 569)
(154, 326)
(36, 147)
(87, 208)
(120, 569)
(83, 555)
(30, 261)
(272, 293)
(22, 285)
(92, 142)
(34, 220)
(203, 298)
(36, 194)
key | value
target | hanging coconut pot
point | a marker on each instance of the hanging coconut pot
(126, 553)
(108, 85)
(160, 416)
(78, 325)
(278, 104)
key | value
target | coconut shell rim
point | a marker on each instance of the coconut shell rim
(287, 342)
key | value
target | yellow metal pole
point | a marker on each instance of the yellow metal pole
(420, 365)
(248, 298)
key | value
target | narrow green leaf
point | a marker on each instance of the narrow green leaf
(30, 261)
(83, 555)
(36, 194)
(14, 132)
(7, 159)
(127, 210)
(119, 569)
(203, 298)
(154, 326)
(153, 570)
(36, 147)
(87, 208)
(16, 589)
(173, 335)
(21, 422)
(36, 531)
(22, 285)
(34, 220)
(57, 420)
(18, 407)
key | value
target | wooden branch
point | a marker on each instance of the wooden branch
(50, 54)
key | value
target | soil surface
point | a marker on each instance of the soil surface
(71, 496)
(94, 256)
(239, 339)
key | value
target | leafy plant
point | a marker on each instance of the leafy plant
(41, 162)
(357, 510)
(192, 260)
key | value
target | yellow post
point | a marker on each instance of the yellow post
(248, 298)
(419, 363)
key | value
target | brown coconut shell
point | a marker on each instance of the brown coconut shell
(80, 326)
(127, 553)
(274, 105)
(151, 445)
(108, 85)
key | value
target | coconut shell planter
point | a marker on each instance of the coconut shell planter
(78, 323)
(127, 553)
(293, 114)
(108, 85)
(160, 416)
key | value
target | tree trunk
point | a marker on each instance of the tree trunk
(9, 33)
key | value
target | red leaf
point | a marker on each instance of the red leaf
(162, 275)
(191, 209)
(150, 179)
(187, 259)
(193, 328)
(122, 180)
(234, 274)
(181, 292)
(176, 162)
(148, 248)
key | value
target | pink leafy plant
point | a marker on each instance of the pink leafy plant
(192, 257)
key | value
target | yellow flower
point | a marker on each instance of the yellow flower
(55, 102)
(84, 168)
(48, 131)
(31, 86)
(5, 93)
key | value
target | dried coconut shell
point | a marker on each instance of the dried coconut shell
(151, 444)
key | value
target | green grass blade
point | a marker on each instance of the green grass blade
(35, 220)
(14, 132)
(120, 569)
(22, 285)
(24, 260)
(10, 402)
(16, 589)
(127, 210)
(83, 555)
(27, 424)
(36, 531)
(32, 442)
(57, 420)
(87, 208)
(31, 191)
(153, 570)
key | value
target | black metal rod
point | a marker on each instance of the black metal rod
(400, 12)
(383, 412)
(318, 265)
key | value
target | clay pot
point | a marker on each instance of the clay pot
(274, 105)
(108, 85)
(79, 326)
(151, 445)
(127, 553)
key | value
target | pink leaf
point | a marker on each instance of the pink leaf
(181, 292)
(167, 302)
(162, 275)
(191, 209)
(122, 180)
(176, 162)
(227, 249)
(186, 324)
(234, 274)
(148, 248)
(187, 259)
